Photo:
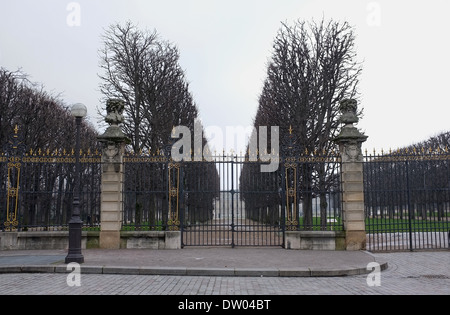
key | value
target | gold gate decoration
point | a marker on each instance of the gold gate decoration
(15, 149)
(291, 194)
(12, 203)
(174, 197)
(290, 150)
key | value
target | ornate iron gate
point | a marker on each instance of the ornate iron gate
(230, 220)
(229, 201)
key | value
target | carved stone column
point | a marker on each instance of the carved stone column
(113, 148)
(350, 142)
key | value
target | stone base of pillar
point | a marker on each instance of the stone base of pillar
(173, 240)
(315, 240)
(355, 240)
(110, 240)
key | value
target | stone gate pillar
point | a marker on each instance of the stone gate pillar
(113, 147)
(350, 142)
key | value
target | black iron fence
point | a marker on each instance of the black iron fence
(229, 201)
(36, 190)
(146, 193)
(407, 200)
(159, 193)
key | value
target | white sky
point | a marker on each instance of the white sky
(225, 45)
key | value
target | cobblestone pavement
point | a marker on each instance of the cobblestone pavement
(409, 273)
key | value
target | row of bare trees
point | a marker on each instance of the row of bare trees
(412, 182)
(44, 128)
(43, 119)
(313, 67)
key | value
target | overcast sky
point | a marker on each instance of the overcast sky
(225, 45)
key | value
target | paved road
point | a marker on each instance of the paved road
(408, 273)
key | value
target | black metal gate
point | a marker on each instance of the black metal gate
(229, 220)
(407, 200)
(229, 200)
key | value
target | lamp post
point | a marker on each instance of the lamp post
(74, 255)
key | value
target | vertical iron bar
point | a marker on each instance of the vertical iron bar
(409, 206)
(282, 191)
(232, 203)
(181, 206)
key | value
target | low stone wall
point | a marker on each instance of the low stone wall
(60, 240)
(150, 240)
(300, 240)
(315, 240)
(44, 240)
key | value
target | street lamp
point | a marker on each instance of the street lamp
(79, 111)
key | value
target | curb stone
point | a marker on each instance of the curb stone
(163, 271)
(180, 271)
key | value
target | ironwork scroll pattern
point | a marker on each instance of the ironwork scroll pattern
(291, 195)
(14, 151)
(174, 197)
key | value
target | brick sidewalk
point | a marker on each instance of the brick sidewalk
(409, 273)
(274, 262)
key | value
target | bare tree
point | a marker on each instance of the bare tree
(144, 71)
(313, 67)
